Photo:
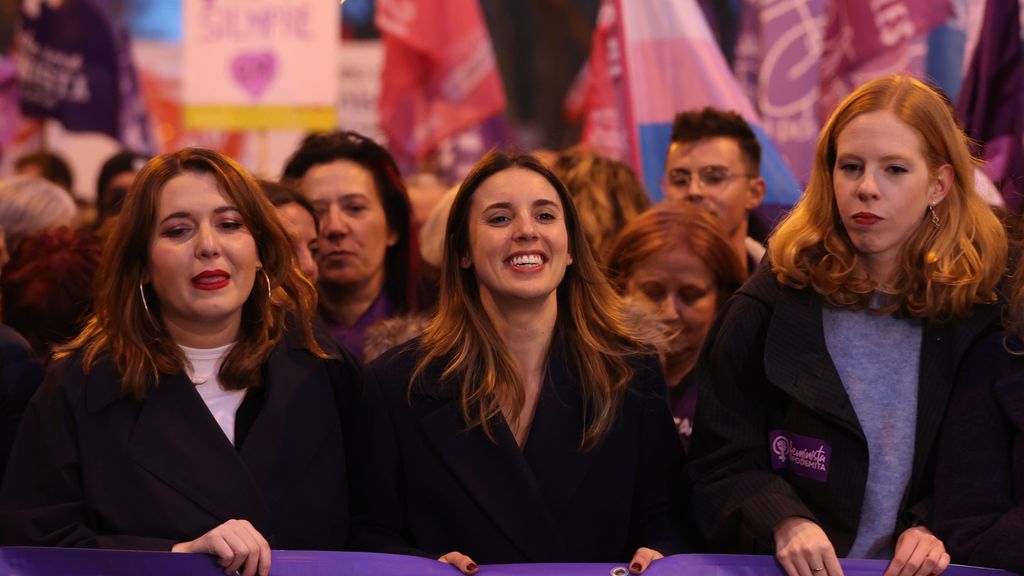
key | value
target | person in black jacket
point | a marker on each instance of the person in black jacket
(529, 423)
(823, 382)
(979, 505)
(196, 411)
(20, 375)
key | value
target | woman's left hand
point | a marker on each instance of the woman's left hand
(642, 559)
(918, 553)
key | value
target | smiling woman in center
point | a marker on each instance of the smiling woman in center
(529, 423)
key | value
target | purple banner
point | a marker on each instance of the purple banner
(778, 61)
(801, 455)
(74, 65)
(991, 105)
(72, 561)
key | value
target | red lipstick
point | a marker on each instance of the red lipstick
(867, 218)
(211, 280)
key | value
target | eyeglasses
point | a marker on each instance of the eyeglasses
(710, 177)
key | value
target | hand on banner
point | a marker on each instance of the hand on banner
(464, 563)
(642, 559)
(237, 546)
(803, 549)
(918, 551)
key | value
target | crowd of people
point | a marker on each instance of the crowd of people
(537, 366)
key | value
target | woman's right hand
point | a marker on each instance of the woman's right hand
(464, 563)
(235, 543)
(803, 549)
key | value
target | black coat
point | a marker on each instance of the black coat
(765, 368)
(20, 375)
(93, 468)
(428, 485)
(979, 484)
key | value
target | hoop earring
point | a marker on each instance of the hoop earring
(934, 215)
(270, 292)
(145, 305)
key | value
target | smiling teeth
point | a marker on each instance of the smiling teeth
(527, 260)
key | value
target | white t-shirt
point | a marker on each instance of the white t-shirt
(202, 369)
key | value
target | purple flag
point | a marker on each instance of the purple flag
(864, 40)
(74, 65)
(991, 106)
(778, 59)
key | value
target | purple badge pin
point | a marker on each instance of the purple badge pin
(801, 455)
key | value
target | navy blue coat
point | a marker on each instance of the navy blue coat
(427, 485)
(979, 483)
(765, 375)
(20, 375)
(94, 468)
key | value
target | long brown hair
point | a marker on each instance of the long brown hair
(591, 320)
(942, 271)
(136, 339)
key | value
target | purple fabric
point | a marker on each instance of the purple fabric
(991, 103)
(354, 337)
(684, 410)
(74, 65)
(70, 561)
(801, 455)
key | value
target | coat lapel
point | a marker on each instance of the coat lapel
(941, 350)
(496, 476)
(177, 440)
(295, 415)
(553, 447)
(807, 376)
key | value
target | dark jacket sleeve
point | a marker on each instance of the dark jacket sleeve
(378, 507)
(979, 511)
(41, 502)
(738, 500)
(20, 376)
(662, 519)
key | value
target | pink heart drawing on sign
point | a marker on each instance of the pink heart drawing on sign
(254, 71)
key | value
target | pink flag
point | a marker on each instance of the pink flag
(652, 59)
(440, 76)
(868, 39)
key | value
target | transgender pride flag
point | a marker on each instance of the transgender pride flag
(650, 60)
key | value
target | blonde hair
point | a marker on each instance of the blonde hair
(607, 194)
(942, 271)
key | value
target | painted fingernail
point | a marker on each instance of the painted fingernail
(636, 567)
(471, 567)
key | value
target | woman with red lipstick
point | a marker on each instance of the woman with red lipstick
(528, 423)
(824, 380)
(196, 411)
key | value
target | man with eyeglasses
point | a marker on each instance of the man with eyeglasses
(714, 160)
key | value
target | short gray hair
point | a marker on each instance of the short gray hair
(29, 204)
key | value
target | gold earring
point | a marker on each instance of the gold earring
(145, 305)
(270, 292)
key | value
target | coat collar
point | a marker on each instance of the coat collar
(524, 492)
(177, 440)
(175, 435)
(810, 376)
(797, 360)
